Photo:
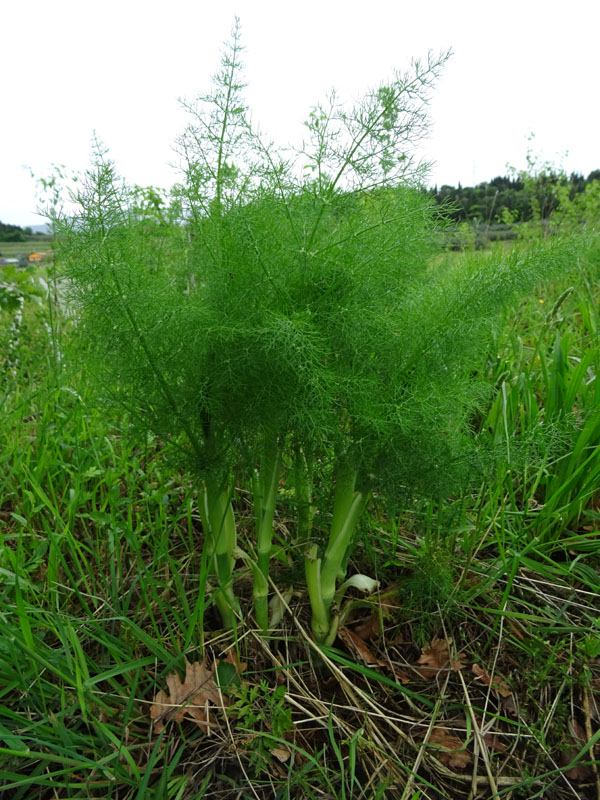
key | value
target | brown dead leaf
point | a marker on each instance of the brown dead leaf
(281, 754)
(578, 772)
(436, 658)
(233, 658)
(454, 754)
(356, 645)
(509, 706)
(360, 650)
(398, 639)
(497, 683)
(494, 742)
(400, 676)
(370, 628)
(190, 697)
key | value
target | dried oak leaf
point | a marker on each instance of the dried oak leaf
(497, 683)
(509, 706)
(578, 772)
(356, 646)
(281, 754)
(188, 698)
(370, 628)
(454, 754)
(436, 658)
(233, 658)
(494, 742)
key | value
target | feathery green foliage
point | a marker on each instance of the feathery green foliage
(294, 308)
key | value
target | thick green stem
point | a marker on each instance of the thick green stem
(219, 526)
(261, 585)
(303, 491)
(337, 548)
(347, 508)
(265, 498)
(320, 621)
(345, 482)
(321, 577)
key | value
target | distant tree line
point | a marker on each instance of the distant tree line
(14, 233)
(504, 199)
(510, 198)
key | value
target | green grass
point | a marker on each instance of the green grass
(104, 593)
(18, 249)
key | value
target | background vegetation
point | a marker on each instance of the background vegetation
(14, 233)
(521, 196)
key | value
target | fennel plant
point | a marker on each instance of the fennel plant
(280, 318)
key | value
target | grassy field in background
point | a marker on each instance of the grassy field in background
(17, 249)
(474, 672)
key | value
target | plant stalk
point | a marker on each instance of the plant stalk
(322, 576)
(219, 525)
(265, 498)
(303, 491)
(320, 621)
(348, 506)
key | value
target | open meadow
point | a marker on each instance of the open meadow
(295, 502)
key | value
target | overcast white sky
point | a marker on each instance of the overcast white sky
(70, 67)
